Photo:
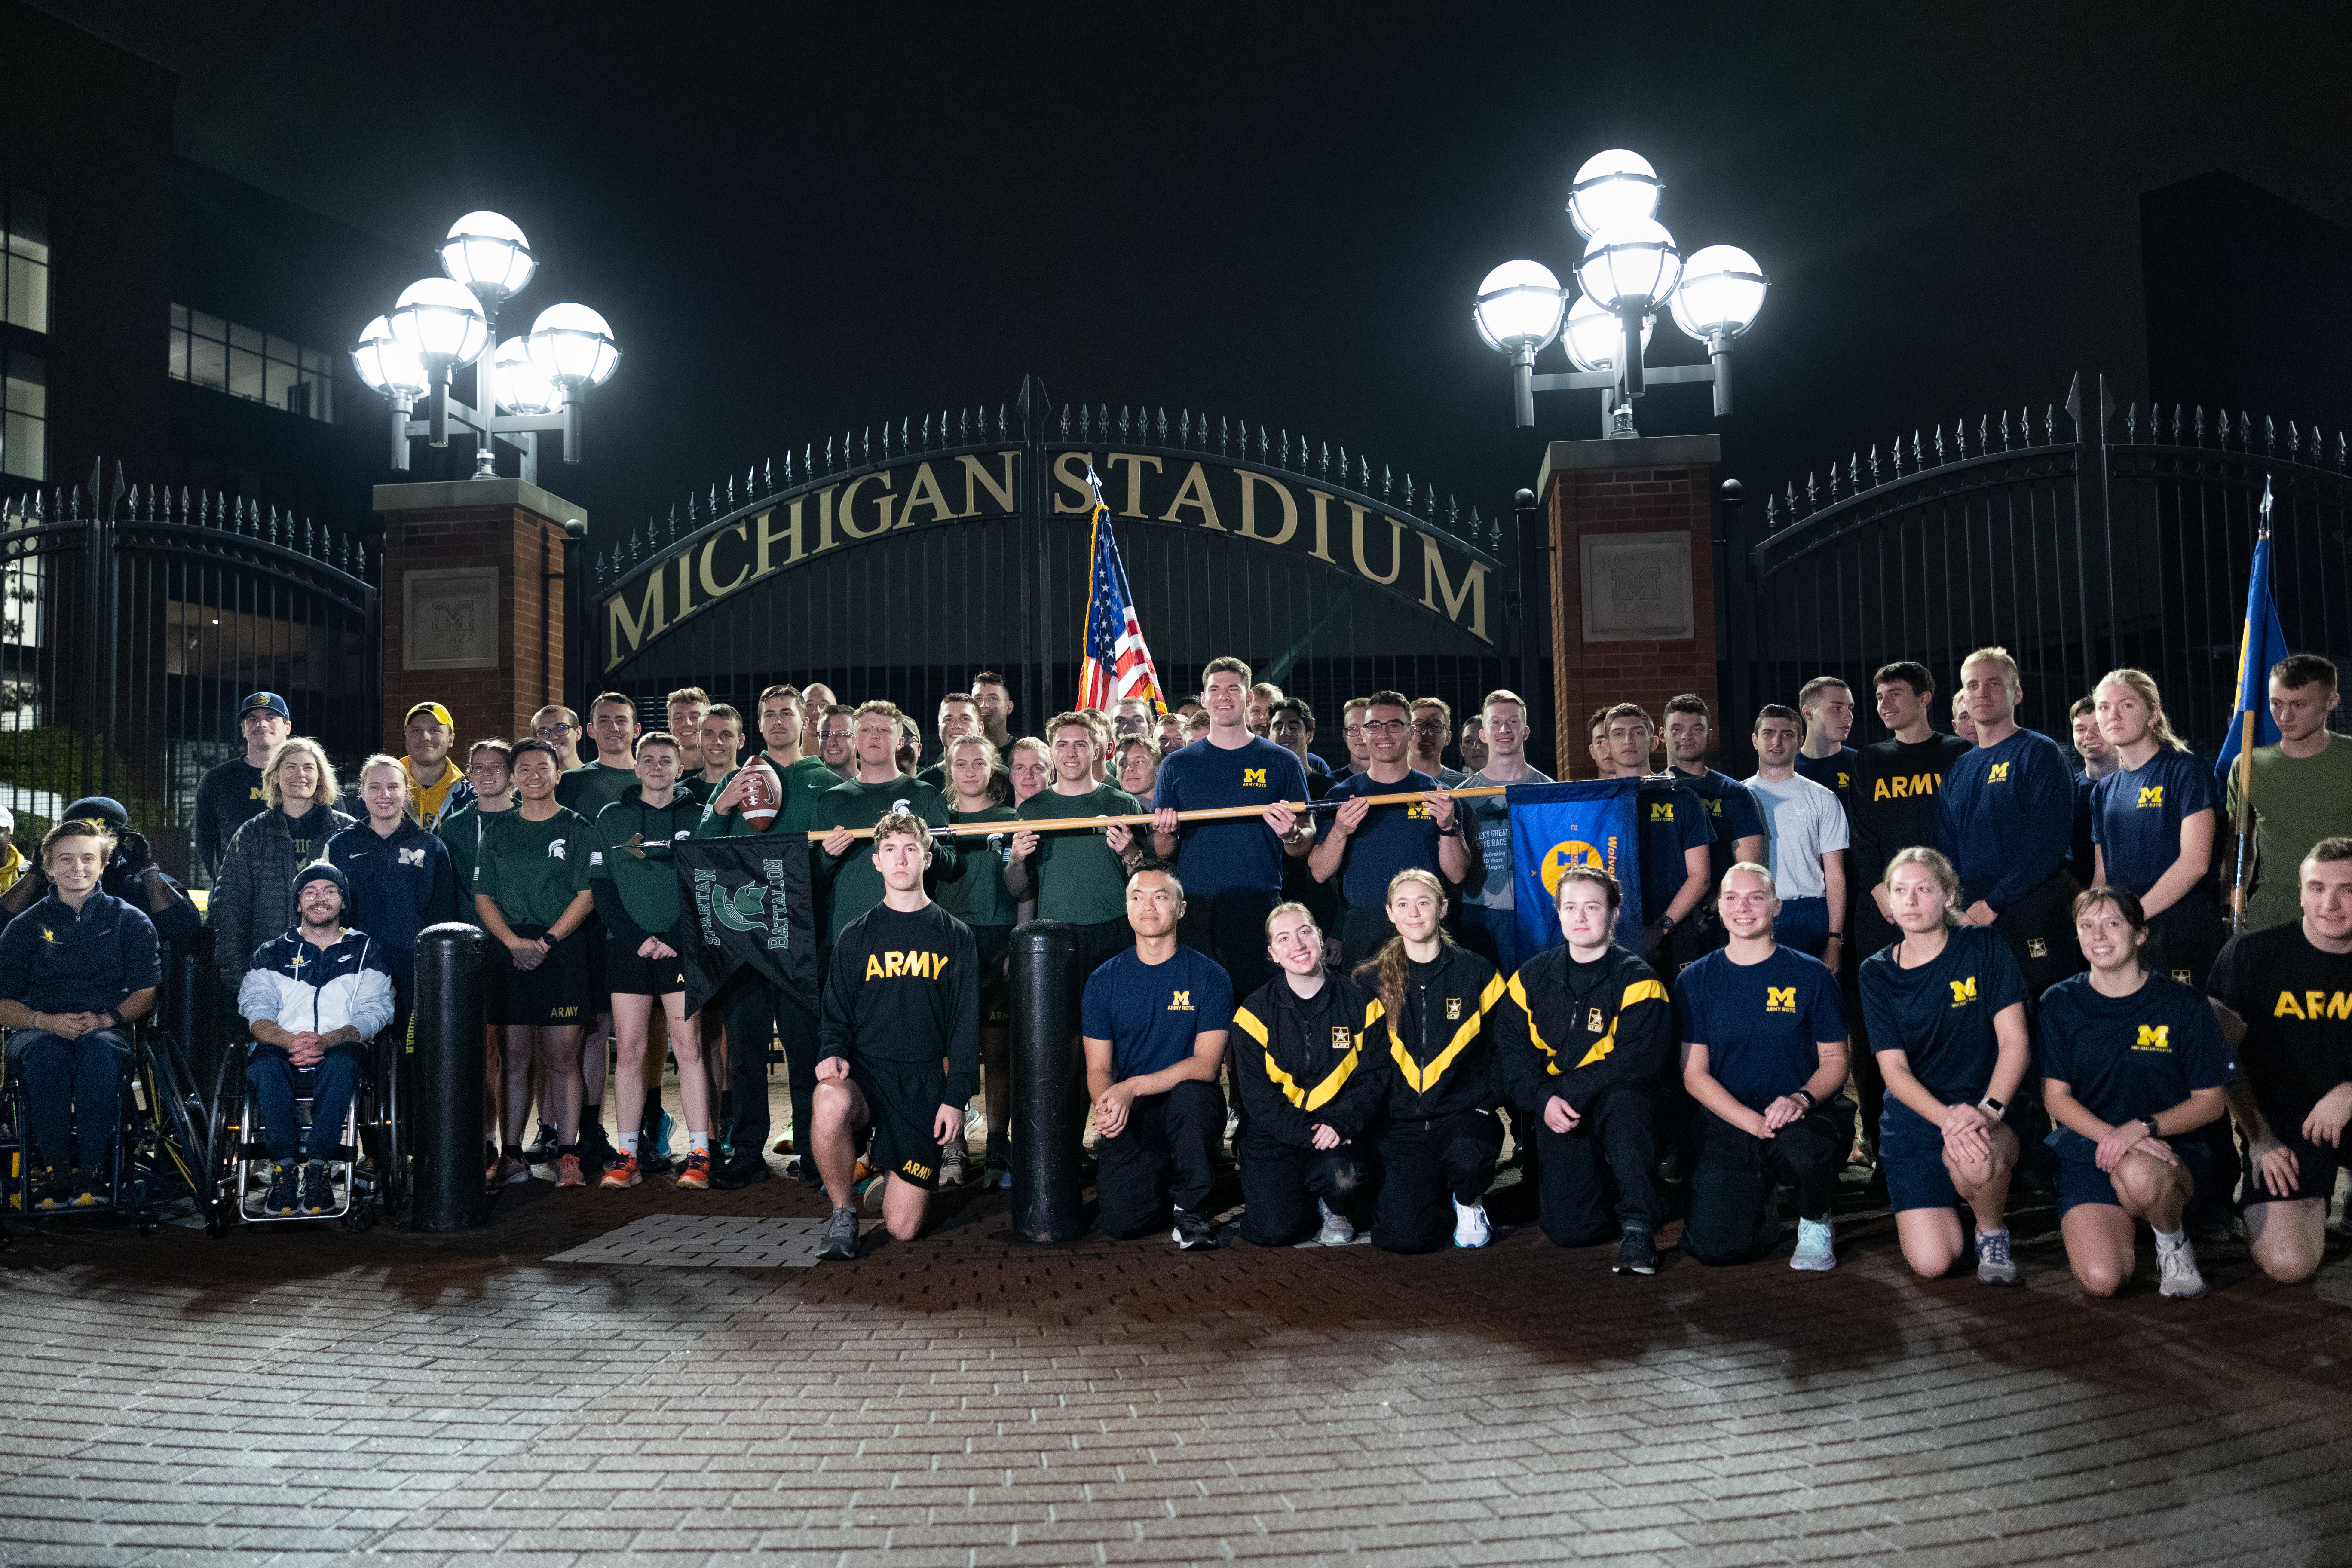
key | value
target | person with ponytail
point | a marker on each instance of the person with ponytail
(2153, 823)
(1427, 1038)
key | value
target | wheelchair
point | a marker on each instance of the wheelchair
(160, 1153)
(368, 1164)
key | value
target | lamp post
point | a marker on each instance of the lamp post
(1629, 269)
(522, 386)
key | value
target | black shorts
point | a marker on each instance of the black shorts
(903, 1106)
(625, 972)
(995, 948)
(554, 995)
(2315, 1164)
(599, 984)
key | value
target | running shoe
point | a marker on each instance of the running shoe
(88, 1194)
(1192, 1233)
(840, 1243)
(280, 1198)
(736, 1174)
(624, 1174)
(2176, 1269)
(542, 1148)
(55, 1190)
(317, 1188)
(1637, 1252)
(1994, 1265)
(997, 1173)
(568, 1172)
(1470, 1225)
(1816, 1250)
(511, 1171)
(953, 1158)
(697, 1175)
(1337, 1230)
(784, 1144)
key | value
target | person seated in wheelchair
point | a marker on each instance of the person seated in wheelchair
(314, 997)
(77, 968)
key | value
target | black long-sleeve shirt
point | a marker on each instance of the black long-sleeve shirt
(1435, 1061)
(904, 992)
(1572, 1029)
(1307, 1064)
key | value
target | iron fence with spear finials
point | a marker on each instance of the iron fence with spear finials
(2117, 539)
(135, 620)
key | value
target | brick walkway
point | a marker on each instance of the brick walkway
(303, 1394)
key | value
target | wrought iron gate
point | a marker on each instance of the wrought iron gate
(133, 622)
(2076, 550)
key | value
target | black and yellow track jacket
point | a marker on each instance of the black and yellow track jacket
(1300, 1061)
(1572, 1029)
(1436, 1060)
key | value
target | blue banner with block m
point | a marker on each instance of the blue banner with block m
(1556, 826)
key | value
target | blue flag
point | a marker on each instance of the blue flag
(2262, 646)
(1556, 826)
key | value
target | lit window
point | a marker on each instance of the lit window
(25, 423)
(25, 280)
(244, 362)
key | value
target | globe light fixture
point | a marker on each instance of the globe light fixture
(532, 384)
(1518, 311)
(1614, 187)
(1631, 268)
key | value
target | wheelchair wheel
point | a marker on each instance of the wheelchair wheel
(391, 1132)
(167, 1147)
(225, 1143)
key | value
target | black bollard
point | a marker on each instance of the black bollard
(445, 1119)
(1048, 1083)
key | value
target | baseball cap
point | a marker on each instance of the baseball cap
(439, 714)
(102, 808)
(323, 870)
(265, 701)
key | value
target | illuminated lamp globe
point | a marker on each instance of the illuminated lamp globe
(1594, 337)
(1519, 306)
(439, 321)
(385, 364)
(1722, 290)
(524, 387)
(1632, 264)
(573, 347)
(1614, 187)
(488, 254)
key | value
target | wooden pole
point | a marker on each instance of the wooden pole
(1207, 814)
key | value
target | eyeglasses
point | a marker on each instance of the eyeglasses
(1385, 726)
(556, 732)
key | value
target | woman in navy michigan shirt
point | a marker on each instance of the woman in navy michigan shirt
(2152, 822)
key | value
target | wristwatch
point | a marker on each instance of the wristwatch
(2149, 1123)
(1995, 1107)
(1666, 924)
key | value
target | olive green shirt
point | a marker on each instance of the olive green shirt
(856, 886)
(974, 890)
(2298, 801)
(803, 783)
(526, 867)
(589, 789)
(1079, 877)
(646, 882)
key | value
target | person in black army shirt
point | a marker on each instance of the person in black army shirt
(1308, 1102)
(900, 1042)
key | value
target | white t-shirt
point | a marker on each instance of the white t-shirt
(1802, 820)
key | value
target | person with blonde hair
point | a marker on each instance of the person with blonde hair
(2154, 823)
(253, 896)
(1947, 1010)
(400, 877)
(1434, 1051)
(1297, 1060)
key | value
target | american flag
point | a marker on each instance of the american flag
(1117, 665)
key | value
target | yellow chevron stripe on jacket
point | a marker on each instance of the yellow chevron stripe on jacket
(1314, 1099)
(1424, 1079)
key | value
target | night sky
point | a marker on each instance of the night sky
(800, 221)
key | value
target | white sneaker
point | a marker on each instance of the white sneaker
(1816, 1250)
(1233, 1125)
(2176, 1269)
(1338, 1229)
(1994, 1264)
(1470, 1226)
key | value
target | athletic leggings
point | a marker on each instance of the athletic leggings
(1735, 1214)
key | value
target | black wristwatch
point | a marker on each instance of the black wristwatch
(2149, 1123)
(1666, 924)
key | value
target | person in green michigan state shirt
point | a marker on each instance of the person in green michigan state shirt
(1080, 874)
(591, 788)
(842, 864)
(795, 779)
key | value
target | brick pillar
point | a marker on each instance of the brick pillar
(473, 603)
(1632, 587)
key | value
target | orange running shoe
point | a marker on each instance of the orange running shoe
(567, 1171)
(623, 1174)
(697, 1175)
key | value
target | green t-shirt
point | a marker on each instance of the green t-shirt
(1077, 876)
(803, 782)
(591, 788)
(2298, 801)
(648, 884)
(974, 890)
(526, 867)
(463, 831)
(856, 885)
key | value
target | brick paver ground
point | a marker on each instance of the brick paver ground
(300, 1394)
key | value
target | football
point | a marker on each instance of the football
(760, 797)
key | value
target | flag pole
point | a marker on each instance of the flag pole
(2246, 753)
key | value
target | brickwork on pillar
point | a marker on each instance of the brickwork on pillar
(1637, 486)
(511, 533)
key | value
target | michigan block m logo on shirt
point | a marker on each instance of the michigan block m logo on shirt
(1998, 773)
(1180, 1001)
(1964, 991)
(2151, 794)
(1780, 998)
(2314, 1005)
(909, 965)
(2154, 1038)
(1661, 811)
(1253, 778)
